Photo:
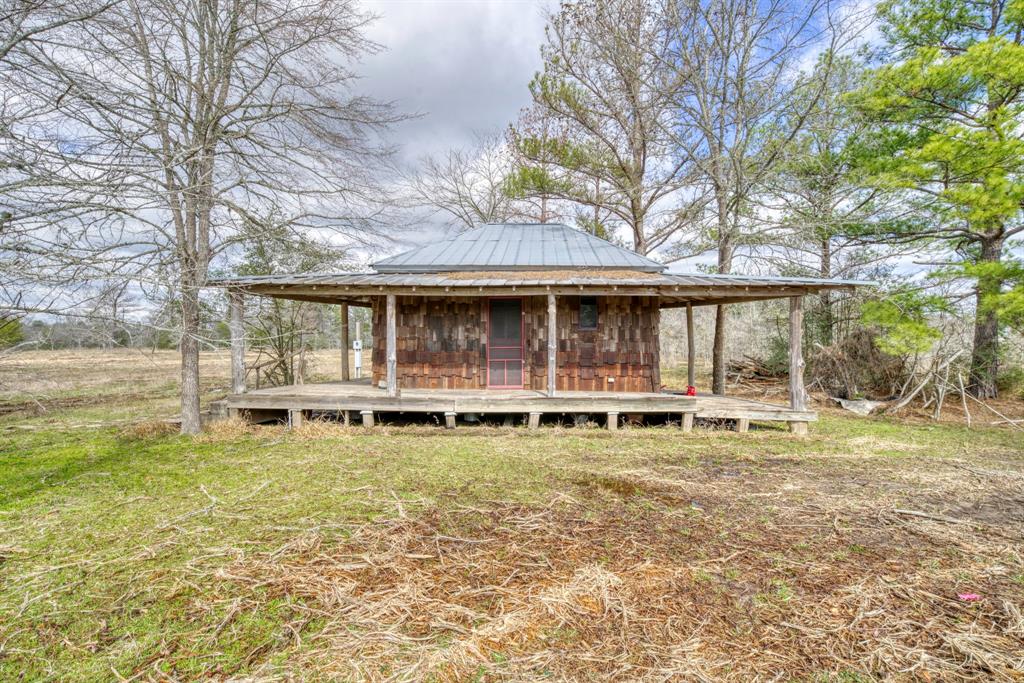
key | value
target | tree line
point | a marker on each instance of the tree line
(147, 145)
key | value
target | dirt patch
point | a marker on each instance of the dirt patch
(627, 591)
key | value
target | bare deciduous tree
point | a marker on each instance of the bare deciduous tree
(22, 21)
(468, 185)
(181, 125)
(737, 65)
(23, 24)
(822, 207)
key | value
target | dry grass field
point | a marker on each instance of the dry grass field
(137, 381)
(875, 549)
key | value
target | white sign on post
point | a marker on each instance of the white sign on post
(357, 346)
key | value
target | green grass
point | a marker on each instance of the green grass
(110, 544)
(128, 517)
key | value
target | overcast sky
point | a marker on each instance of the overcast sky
(463, 64)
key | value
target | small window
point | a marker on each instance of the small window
(588, 312)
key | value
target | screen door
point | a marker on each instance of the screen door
(505, 344)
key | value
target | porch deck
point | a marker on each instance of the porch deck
(297, 401)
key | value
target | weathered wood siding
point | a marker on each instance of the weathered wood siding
(441, 344)
(620, 355)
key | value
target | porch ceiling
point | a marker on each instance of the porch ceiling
(673, 289)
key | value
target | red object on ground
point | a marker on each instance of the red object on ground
(691, 391)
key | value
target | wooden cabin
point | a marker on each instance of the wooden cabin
(532, 318)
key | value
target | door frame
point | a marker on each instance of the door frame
(522, 345)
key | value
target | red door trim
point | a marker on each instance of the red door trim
(522, 346)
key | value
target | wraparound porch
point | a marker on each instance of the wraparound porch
(359, 400)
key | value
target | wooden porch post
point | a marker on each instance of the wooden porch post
(691, 352)
(552, 344)
(236, 307)
(392, 353)
(344, 343)
(797, 392)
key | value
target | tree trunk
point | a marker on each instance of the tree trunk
(718, 347)
(639, 237)
(985, 355)
(828, 319)
(718, 352)
(189, 356)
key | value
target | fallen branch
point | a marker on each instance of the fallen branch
(963, 398)
(923, 383)
(936, 518)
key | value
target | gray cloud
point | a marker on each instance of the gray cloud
(463, 64)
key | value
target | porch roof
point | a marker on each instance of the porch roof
(671, 288)
(517, 246)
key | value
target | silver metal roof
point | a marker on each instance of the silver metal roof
(518, 246)
(535, 279)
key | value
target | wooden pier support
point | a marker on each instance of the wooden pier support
(613, 421)
(688, 422)
(449, 420)
(295, 419)
(391, 349)
(552, 343)
(743, 425)
(236, 325)
(691, 348)
(534, 421)
(797, 391)
(343, 338)
(367, 416)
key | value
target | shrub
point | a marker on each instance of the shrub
(11, 333)
(1011, 382)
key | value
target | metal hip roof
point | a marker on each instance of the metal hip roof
(517, 246)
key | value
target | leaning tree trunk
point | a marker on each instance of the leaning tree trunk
(189, 353)
(985, 355)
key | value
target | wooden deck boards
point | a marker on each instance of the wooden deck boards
(362, 396)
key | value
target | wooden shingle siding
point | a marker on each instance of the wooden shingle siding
(441, 344)
(624, 347)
